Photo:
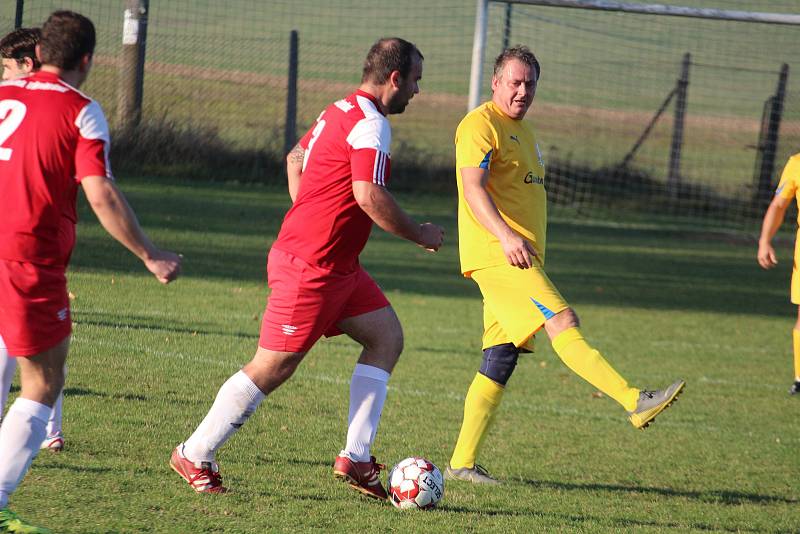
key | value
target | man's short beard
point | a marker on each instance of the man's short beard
(394, 108)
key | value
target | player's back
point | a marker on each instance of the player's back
(51, 136)
(326, 226)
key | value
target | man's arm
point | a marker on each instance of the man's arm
(117, 217)
(773, 219)
(294, 169)
(383, 209)
(518, 251)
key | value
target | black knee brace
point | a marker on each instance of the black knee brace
(499, 362)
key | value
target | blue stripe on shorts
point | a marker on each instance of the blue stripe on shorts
(548, 313)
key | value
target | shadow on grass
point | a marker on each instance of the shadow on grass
(225, 232)
(82, 392)
(294, 461)
(133, 322)
(727, 497)
(75, 468)
(578, 519)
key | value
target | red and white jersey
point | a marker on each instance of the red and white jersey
(349, 142)
(51, 137)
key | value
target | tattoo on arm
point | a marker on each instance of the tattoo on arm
(297, 154)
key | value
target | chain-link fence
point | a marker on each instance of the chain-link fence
(216, 76)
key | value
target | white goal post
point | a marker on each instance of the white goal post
(482, 16)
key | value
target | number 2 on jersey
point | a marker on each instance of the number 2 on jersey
(11, 114)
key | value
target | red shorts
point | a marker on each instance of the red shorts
(306, 302)
(34, 307)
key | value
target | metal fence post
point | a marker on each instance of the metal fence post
(131, 75)
(18, 14)
(507, 28)
(768, 143)
(290, 131)
(674, 175)
(478, 50)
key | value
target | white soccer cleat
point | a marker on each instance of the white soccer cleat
(53, 443)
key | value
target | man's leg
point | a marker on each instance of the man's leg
(54, 440)
(8, 366)
(795, 389)
(381, 336)
(24, 427)
(568, 342)
(236, 401)
(482, 401)
(589, 364)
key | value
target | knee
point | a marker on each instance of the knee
(270, 367)
(43, 387)
(389, 343)
(499, 362)
(561, 321)
(397, 343)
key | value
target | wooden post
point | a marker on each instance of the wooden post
(18, 15)
(768, 146)
(131, 75)
(290, 131)
(674, 175)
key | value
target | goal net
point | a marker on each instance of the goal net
(658, 117)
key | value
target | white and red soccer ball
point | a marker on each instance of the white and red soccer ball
(416, 484)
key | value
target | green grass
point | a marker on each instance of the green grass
(147, 360)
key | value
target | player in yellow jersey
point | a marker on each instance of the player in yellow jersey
(788, 190)
(502, 223)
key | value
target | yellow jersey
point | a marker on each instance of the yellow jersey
(789, 186)
(489, 139)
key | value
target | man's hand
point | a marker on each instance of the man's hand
(431, 236)
(518, 250)
(165, 265)
(766, 255)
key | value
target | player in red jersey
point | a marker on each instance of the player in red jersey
(53, 138)
(18, 52)
(337, 181)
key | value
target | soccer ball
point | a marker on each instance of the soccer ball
(415, 484)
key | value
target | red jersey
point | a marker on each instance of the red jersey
(349, 142)
(51, 137)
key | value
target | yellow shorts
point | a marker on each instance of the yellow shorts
(516, 303)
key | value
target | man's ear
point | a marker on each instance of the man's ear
(29, 65)
(38, 50)
(86, 62)
(395, 78)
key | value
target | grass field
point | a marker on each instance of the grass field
(147, 360)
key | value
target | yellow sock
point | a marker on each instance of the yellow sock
(590, 365)
(482, 401)
(796, 339)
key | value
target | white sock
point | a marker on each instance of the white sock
(236, 401)
(367, 395)
(54, 424)
(21, 434)
(7, 367)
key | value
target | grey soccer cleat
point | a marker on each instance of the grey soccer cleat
(476, 475)
(795, 389)
(652, 403)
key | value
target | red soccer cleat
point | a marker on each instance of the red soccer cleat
(203, 477)
(362, 476)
